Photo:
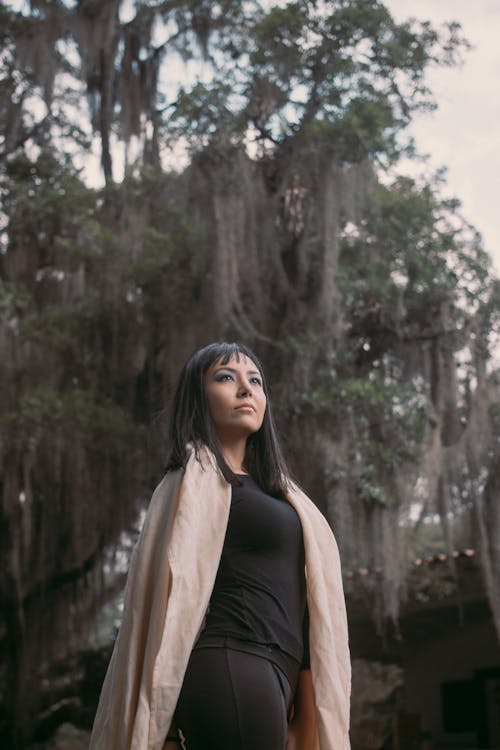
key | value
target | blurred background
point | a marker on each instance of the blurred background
(174, 172)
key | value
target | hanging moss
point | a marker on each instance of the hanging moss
(373, 307)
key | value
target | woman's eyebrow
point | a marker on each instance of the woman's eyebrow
(232, 369)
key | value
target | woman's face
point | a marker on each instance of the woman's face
(236, 397)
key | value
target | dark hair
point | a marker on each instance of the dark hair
(191, 423)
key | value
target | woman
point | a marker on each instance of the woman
(234, 631)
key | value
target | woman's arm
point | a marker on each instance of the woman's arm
(172, 741)
(302, 729)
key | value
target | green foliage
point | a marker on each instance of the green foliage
(348, 64)
(414, 254)
(269, 71)
(61, 327)
(370, 491)
(14, 299)
(379, 401)
(44, 411)
(413, 271)
(204, 113)
(425, 539)
(278, 39)
(46, 200)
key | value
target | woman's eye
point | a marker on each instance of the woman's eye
(225, 376)
(257, 381)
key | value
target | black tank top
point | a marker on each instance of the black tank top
(259, 593)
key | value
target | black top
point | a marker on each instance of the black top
(259, 593)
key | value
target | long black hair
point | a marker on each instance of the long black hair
(191, 422)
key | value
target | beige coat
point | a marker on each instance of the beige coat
(171, 576)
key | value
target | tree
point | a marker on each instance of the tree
(373, 305)
(283, 67)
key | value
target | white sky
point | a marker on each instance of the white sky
(464, 133)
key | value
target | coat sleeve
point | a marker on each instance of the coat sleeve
(328, 632)
(146, 590)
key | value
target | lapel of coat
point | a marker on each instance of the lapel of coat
(194, 551)
(328, 636)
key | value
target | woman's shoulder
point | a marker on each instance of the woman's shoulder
(163, 495)
(169, 479)
(299, 497)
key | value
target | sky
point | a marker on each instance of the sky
(464, 133)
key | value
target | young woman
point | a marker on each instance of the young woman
(234, 632)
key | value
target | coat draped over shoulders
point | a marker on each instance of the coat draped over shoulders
(170, 581)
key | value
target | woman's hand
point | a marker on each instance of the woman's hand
(302, 728)
(175, 742)
(292, 741)
(300, 735)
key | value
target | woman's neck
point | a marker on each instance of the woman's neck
(234, 455)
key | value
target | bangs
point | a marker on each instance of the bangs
(224, 351)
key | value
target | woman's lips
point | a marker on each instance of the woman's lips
(246, 407)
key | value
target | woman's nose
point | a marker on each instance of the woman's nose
(245, 388)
